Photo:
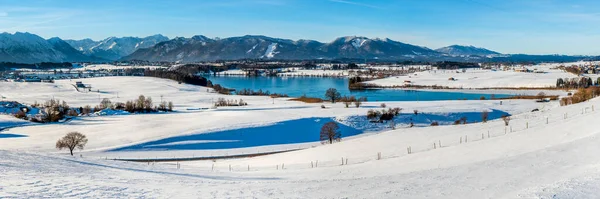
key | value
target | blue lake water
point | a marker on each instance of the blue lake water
(316, 87)
(286, 132)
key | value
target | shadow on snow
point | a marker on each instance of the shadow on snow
(286, 132)
(4, 135)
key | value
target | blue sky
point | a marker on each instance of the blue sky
(507, 26)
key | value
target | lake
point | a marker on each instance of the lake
(316, 87)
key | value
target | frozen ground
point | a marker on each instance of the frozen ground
(478, 79)
(554, 160)
(541, 154)
(111, 132)
(94, 67)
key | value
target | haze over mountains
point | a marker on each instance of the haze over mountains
(30, 48)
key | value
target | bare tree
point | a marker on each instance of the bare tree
(148, 104)
(106, 103)
(170, 106)
(358, 102)
(87, 109)
(140, 102)
(347, 103)
(52, 114)
(333, 95)
(71, 141)
(506, 119)
(484, 116)
(162, 106)
(330, 132)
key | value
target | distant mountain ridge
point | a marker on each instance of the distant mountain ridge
(29, 48)
(113, 48)
(457, 50)
(201, 48)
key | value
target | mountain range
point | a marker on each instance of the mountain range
(457, 50)
(113, 48)
(30, 48)
(201, 48)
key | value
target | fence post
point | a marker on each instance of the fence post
(277, 167)
(482, 136)
(460, 139)
(317, 164)
(213, 167)
(440, 143)
(488, 133)
(346, 161)
(511, 129)
(248, 167)
(527, 125)
(546, 120)
(229, 167)
(466, 139)
(282, 166)
(434, 145)
(342, 161)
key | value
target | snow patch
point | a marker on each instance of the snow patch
(358, 42)
(112, 45)
(270, 53)
(253, 47)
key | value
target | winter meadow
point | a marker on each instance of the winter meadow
(92, 108)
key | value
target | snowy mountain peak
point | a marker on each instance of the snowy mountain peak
(358, 42)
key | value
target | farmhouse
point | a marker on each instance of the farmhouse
(84, 87)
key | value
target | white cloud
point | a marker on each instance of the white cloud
(3, 14)
(355, 3)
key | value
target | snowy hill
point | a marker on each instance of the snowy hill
(544, 154)
(457, 50)
(29, 48)
(113, 48)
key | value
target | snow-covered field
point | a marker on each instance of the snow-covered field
(94, 67)
(478, 79)
(540, 155)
